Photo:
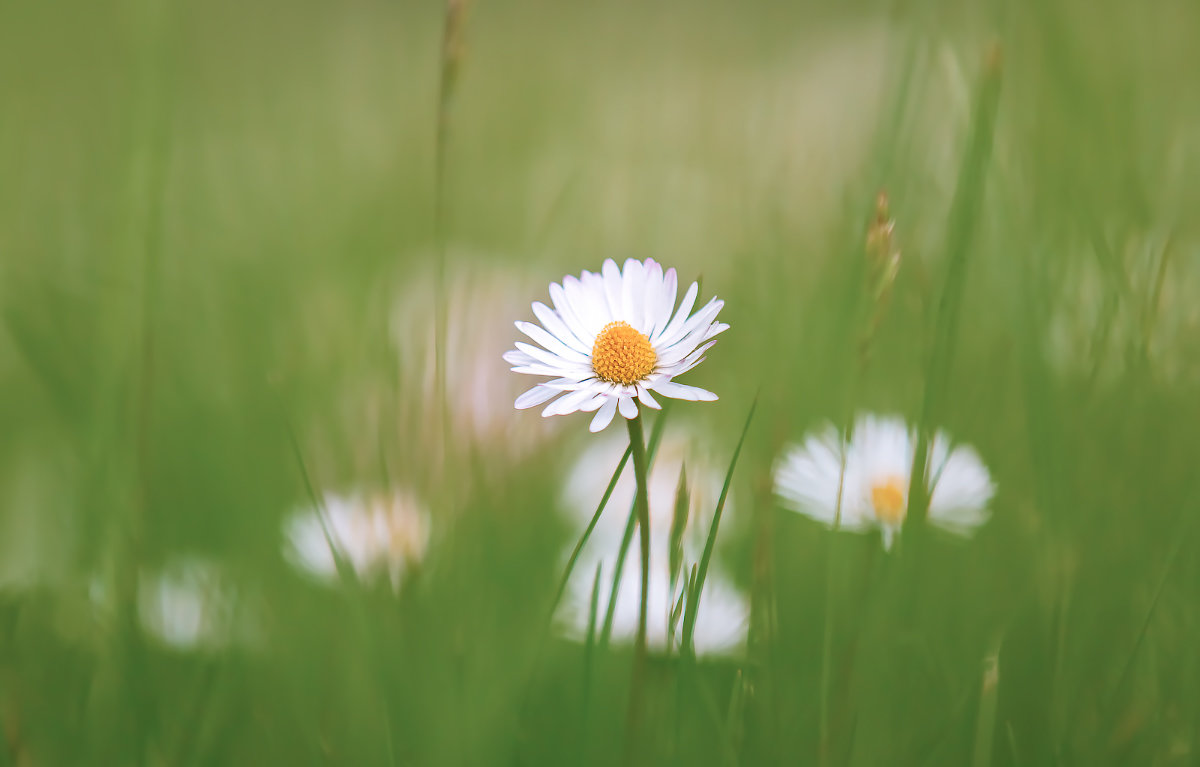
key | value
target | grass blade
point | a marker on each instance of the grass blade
(964, 215)
(689, 620)
(985, 722)
(583, 539)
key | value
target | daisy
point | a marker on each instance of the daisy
(863, 483)
(723, 616)
(612, 338)
(191, 605)
(370, 534)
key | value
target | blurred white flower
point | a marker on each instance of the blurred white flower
(863, 484)
(724, 611)
(190, 604)
(612, 338)
(371, 534)
(483, 294)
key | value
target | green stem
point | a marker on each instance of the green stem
(827, 638)
(637, 443)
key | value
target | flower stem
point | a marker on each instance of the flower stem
(637, 444)
(827, 638)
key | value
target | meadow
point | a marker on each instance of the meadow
(265, 497)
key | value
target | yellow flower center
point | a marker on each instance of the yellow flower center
(622, 355)
(890, 499)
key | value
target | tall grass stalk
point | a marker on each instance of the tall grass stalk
(452, 53)
(963, 219)
(985, 720)
(149, 182)
(827, 630)
(587, 532)
(697, 588)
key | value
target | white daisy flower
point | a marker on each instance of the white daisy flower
(724, 612)
(190, 605)
(612, 338)
(863, 484)
(371, 534)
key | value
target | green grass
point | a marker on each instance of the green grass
(218, 268)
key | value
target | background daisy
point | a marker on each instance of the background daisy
(614, 337)
(374, 535)
(863, 483)
(723, 616)
(190, 604)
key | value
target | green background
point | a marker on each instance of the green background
(219, 260)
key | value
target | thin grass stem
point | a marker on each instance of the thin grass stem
(693, 608)
(583, 539)
(452, 53)
(964, 215)
(827, 631)
(985, 722)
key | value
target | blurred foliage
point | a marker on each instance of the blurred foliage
(216, 220)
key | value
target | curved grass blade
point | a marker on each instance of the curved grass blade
(608, 491)
(963, 219)
(689, 620)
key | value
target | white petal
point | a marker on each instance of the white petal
(679, 355)
(652, 295)
(550, 358)
(594, 403)
(715, 329)
(553, 345)
(568, 403)
(680, 317)
(534, 397)
(633, 294)
(683, 391)
(538, 369)
(692, 332)
(889, 536)
(516, 357)
(604, 415)
(570, 314)
(961, 490)
(693, 359)
(586, 297)
(882, 446)
(570, 383)
(813, 480)
(647, 400)
(554, 323)
(612, 288)
(627, 407)
(664, 303)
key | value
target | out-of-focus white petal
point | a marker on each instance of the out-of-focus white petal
(371, 534)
